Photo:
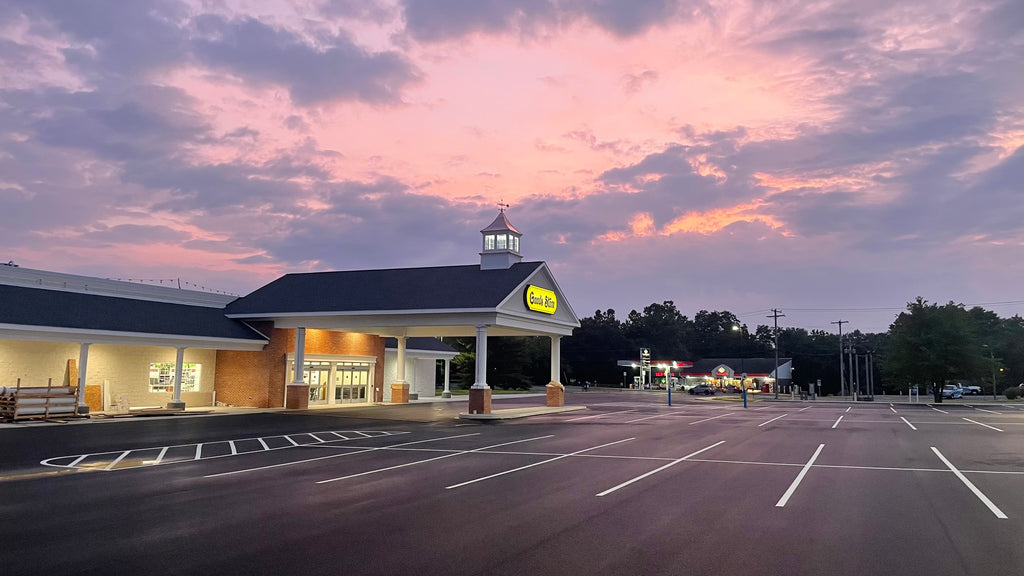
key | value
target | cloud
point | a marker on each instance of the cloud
(335, 69)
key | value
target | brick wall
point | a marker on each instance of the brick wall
(258, 378)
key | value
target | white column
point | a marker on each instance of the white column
(447, 369)
(179, 367)
(481, 358)
(83, 365)
(300, 355)
(400, 366)
(556, 358)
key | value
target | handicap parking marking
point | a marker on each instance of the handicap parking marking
(158, 455)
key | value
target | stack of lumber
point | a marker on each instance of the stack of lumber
(40, 402)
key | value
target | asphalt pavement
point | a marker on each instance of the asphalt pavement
(627, 485)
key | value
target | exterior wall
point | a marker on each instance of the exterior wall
(35, 362)
(258, 378)
(419, 374)
(118, 370)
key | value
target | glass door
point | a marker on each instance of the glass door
(317, 375)
(351, 382)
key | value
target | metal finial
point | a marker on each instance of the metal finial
(502, 206)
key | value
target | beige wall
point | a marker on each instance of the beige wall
(123, 369)
(35, 362)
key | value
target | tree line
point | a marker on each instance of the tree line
(927, 344)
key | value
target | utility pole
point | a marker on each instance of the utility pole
(776, 315)
(842, 380)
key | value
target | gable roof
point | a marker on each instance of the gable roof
(22, 306)
(437, 288)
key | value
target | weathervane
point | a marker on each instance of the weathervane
(502, 206)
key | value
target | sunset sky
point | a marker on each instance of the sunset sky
(833, 159)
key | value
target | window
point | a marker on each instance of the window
(161, 377)
(501, 242)
(513, 243)
(489, 242)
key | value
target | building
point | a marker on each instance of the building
(141, 345)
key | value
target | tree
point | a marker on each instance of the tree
(931, 344)
(662, 329)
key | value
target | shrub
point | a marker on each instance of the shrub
(1012, 393)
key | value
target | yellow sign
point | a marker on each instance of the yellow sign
(540, 299)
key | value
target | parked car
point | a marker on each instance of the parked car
(702, 389)
(733, 389)
(951, 391)
(973, 390)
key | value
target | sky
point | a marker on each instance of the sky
(830, 159)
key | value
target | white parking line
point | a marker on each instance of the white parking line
(117, 460)
(985, 425)
(984, 410)
(772, 420)
(599, 415)
(199, 451)
(837, 422)
(646, 418)
(357, 451)
(799, 478)
(995, 510)
(264, 444)
(908, 423)
(712, 418)
(937, 410)
(655, 471)
(848, 408)
(535, 464)
(234, 449)
(893, 409)
(802, 409)
(160, 456)
(458, 453)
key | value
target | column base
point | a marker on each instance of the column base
(446, 394)
(479, 400)
(296, 396)
(556, 394)
(399, 393)
(175, 405)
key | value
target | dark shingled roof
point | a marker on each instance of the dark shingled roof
(419, 343)
(437, 288)
(75, 310)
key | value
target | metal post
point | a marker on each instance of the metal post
(992, 357)
(842, 378)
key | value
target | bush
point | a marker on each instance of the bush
(1012, 393)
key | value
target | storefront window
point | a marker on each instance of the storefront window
(161, 377)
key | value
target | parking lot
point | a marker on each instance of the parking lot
(627, 486)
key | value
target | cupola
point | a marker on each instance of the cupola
(501, 243)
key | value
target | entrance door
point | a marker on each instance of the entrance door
(317, 375)
(351, 382)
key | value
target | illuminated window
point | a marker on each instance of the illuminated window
(514, 243)
(501, 242)
(161, 377)
(489, 242)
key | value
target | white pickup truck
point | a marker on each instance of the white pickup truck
(975, 390)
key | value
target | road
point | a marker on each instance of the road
(627, 486)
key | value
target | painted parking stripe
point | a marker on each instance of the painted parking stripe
(802, 409)
(355, 451)
(646, 418)
(799, 478)
(456, 453)
(536, 464)
(772, 420)
(893, 409)
(117, 460)
(712, 418)
(991, 506)
(984, 410)
(908, 423)
(656, 470)
(837, 422)
(848, 408)
(937, 410)
(980, 424)
(185, 452)
(599, 415)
